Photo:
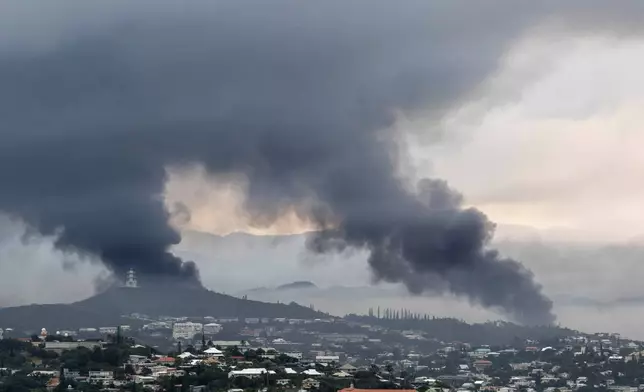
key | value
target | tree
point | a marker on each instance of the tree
(120, 374)
(284, 359)
(250, 355)
(119, 336)
(390, 370)
(129, 369)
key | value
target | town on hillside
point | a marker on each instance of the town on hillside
(384, 349)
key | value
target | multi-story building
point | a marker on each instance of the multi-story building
(157, 325)
(100, 376)
(108, 330)
(186, 330)
(211, 329)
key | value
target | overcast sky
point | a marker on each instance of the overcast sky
(551, 138)
(553, 143)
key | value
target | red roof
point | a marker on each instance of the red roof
(53, 382)
(164, 359)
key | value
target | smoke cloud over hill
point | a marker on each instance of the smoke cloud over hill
(296, 97)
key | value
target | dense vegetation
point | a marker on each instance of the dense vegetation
(20, 359)
(450, 329)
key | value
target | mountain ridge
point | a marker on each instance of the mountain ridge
(108, 307)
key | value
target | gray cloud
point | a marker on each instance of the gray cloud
(295, 96)
(31, 271)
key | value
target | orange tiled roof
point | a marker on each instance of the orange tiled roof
(53, 382)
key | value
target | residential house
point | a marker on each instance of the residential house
(100, 376)
(213, 352)
(249, 373)
(312, 373)
(482, 364)
(310, 383)
(348, 368)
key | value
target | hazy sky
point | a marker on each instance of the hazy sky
(554, 142)
(551, 138)
(560, 142)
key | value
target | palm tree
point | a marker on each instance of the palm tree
(374, 368)
(390, 369)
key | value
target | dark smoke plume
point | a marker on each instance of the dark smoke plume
(295, 95)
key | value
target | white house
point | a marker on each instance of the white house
(211, 329)
(213, 352)
(251, 373)
(103, 376)
(312, 373)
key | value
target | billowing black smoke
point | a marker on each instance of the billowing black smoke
(297, 96)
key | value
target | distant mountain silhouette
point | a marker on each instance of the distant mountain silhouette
(297, 286)
(106, 309)
(625, 301)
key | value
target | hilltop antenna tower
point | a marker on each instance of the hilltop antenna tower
(130, 279)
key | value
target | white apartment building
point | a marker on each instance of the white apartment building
(186, 330)
(211, 329)
(102, 376)
(157, 325)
